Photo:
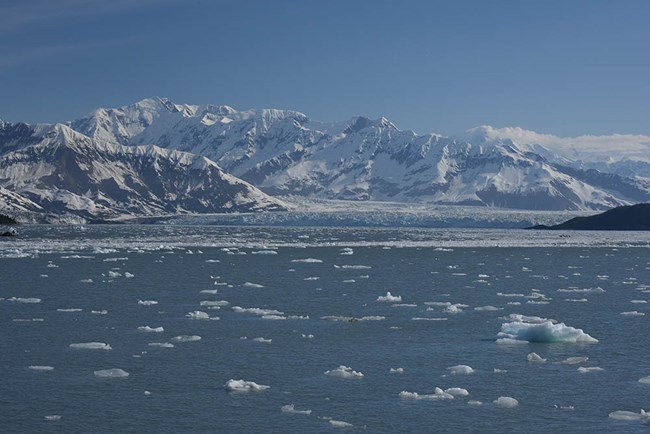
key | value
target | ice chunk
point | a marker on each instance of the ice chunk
(129, 275)
(112, 373)
(147, 302)
(197, 314)
(584, 370)
(252, 285)
(644, 380)
(460, 370)
(53, 417)
(27, 300)
(91, 346)
(544, 332)
(86, 281)
(256, 311)
(574, 360)
(642, 416)
(535, 358)
(244, 386)
(390, 298)
(352, 318)
(506, 402)
(346, 251)
(73, 309)
(186, 338)
(457, 391)
(262, 340)
(396, 370)
(632, 313)
(50, 368)
(340, 424)
(487, 308)
(114, 274)
(147, 329)
(438, 394)
(217, 303)
(291, 409)
(344, 372)
(99, 312)
(274, 317)
(161, 344)
(308, 260)
(209, 291)
(474, 402)
(264, 252)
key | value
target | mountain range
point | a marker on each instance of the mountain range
(157, 157)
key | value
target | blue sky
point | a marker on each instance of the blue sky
(561, 67)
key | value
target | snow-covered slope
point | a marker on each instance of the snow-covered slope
(286, 153)
(62, 171)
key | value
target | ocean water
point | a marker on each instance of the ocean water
(356, 328)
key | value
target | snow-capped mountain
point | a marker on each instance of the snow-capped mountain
(286, 153)
(58, 170)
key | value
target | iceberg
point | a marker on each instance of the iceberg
(542, 332)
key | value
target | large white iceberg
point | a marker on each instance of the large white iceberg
(543, 332)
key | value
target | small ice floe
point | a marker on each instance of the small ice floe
(274, 317)
(574, 360)
(212, 261)
(53, 417)
(346, 251)
(86, 281)
(291, 409)
(564, 407)
(214, 303)
(252, 285)
(256, 310)
(396, 370)
(633, 313)
(585, 370)
(264, 252)
(575, 289)
(147, 302)
(161, 344)
(352, 318)
(438, 394)
(344, 372)
(262, 340)
(487, 308)
(112, 373)
(577, 300)
(129, 275)
(506, 402)
(644, 380)
(115, 259)
(355, 267)
(499, 371)
(26, 300)
(114, 274)
(457, 391)
(147, 393)
(186, 338)
(535, 358)
(543, 332)
(417, 318)
(642, 416)
(244, 386)
(147, 329)
(198, 314)
(209, 291)
(349, 281)
(340, 424)
(52, 265)
(460, 370)
(99, 312)
(390, 298)
(308, 260)
(311, 278)
(41, 368)
(71, 309)
(454, 308)
(474, 402)
(91, 346)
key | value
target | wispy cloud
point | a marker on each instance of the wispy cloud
(15, 14)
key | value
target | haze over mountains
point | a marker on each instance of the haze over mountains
(156, 157)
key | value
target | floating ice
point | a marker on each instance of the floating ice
(460, 370)
(352, 318)
(390, 298)
(256, 310)
(429, 319)
(543, 332)
(252, 285)
(129, 275)
(244, 386)
(633, 313)
(115, 259)
(535, 358)
(217, 303)
(91, 346)
(396, 370)
(574, 360)
(340, 424)
(506, 402)
(474, 402)
(454, 308)
(186, 338)
(264, 252)
(161, 344)
(457, 391)
(99, 312)
(274, 317)
(585, 370)
(73, 309)
(114, 274)
(209, 291)
(291, 409)
(438, 394)
(346, 251)
(597, 289)
(86, 281)
(147, 302)
(307, 260)
(147, 329)
(344, 372)
(642, 416)
(27, 300)
(212, 261)
(487, 308)
(53, 417)
(262, 340)
(49, 368)
(197, 314)
(112, 373)
(147, 393)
